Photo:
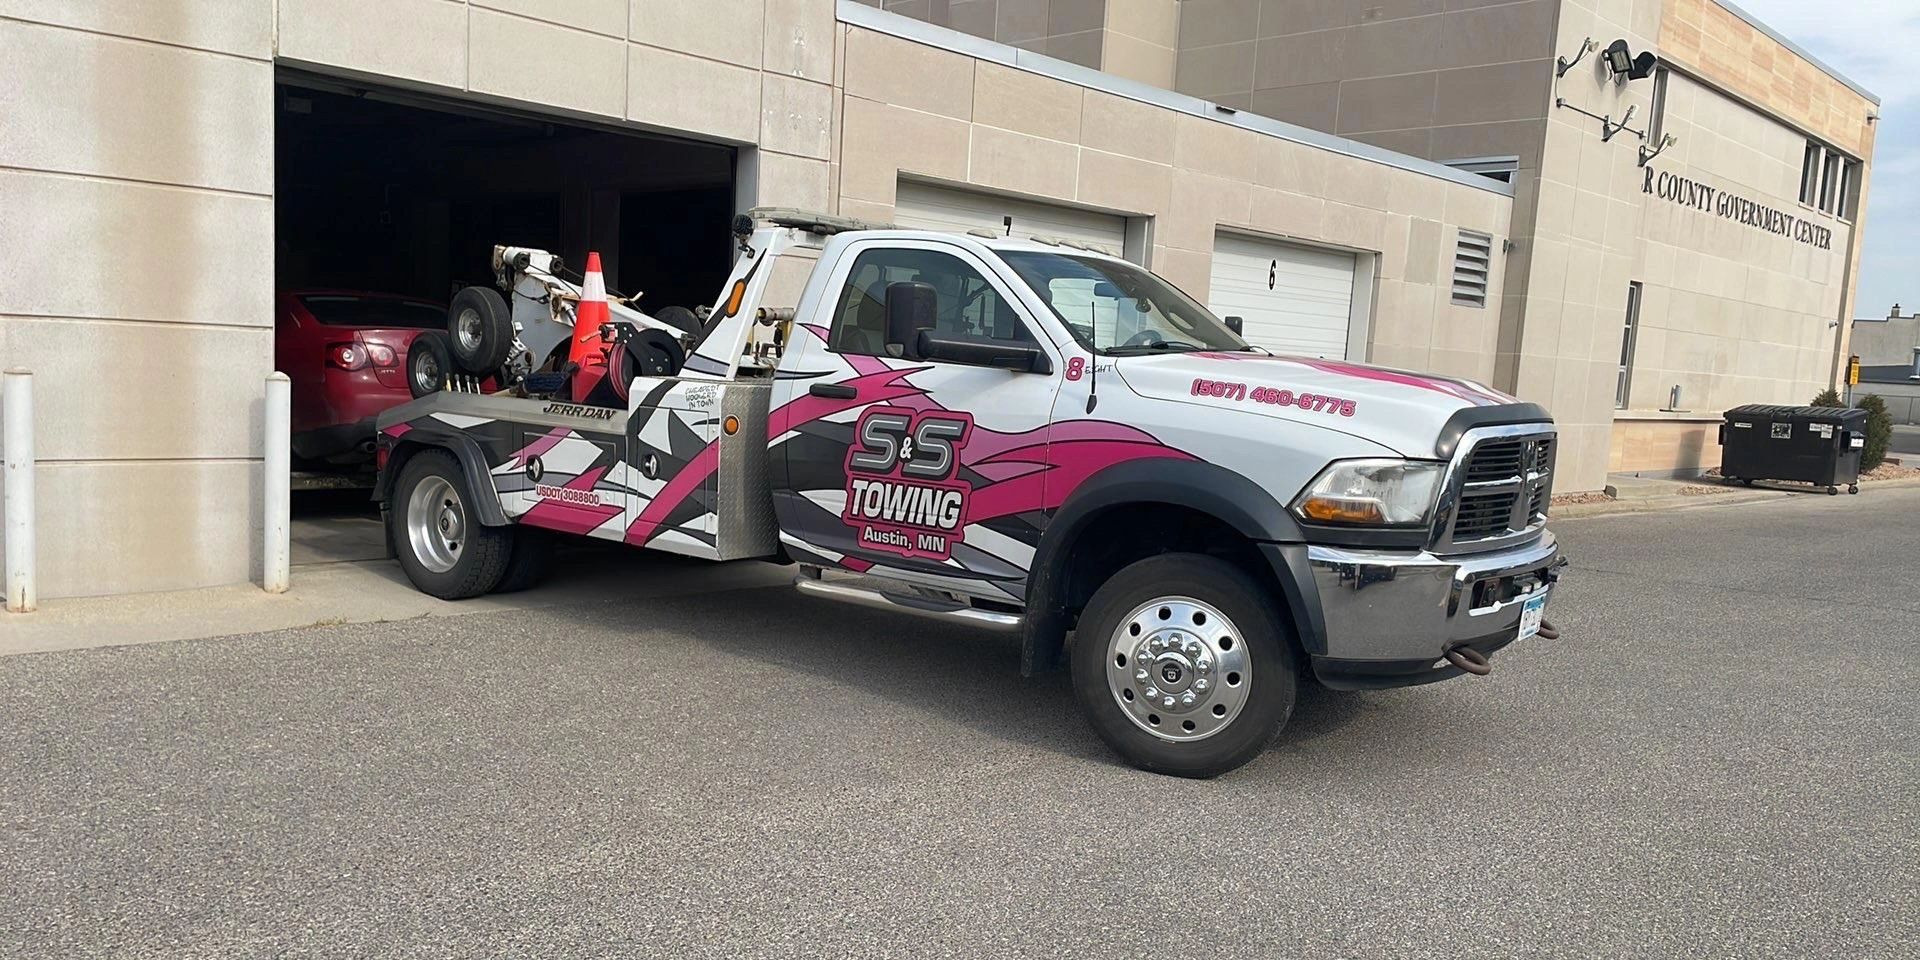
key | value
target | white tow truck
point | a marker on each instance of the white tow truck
(1022, 435)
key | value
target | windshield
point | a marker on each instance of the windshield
(1117, 308)
(350, 311)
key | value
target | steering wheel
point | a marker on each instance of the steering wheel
(1145, 338)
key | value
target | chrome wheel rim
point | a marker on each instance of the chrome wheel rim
(1178, 668)
(436, 524)
(467, 327)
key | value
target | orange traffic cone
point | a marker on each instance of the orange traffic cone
(588, 316)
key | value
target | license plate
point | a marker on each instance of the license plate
(1531, 614)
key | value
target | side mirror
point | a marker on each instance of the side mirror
(1235, 324)
(910, 309)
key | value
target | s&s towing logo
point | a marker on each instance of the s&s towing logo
(901, 494)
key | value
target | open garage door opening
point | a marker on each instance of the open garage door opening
(386, 203)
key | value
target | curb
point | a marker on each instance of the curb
(1580, 511)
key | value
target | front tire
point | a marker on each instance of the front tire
(441, 544)
(1184, 666)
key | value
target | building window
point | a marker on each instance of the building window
(1472, 265)
(1810, 174)
(1850, 191)
(1830, 182)
(1627, 338)
(1658, 124)
(1916, 365)
(967, 306)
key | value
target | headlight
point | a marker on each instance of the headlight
(1374, 493)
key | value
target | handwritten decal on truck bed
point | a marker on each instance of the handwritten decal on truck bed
(1312, 402)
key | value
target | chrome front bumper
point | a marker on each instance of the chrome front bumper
(1390, 615)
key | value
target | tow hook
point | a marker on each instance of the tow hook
(1469, 660)
(1548, 631)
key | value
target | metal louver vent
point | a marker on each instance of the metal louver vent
(1472, 261)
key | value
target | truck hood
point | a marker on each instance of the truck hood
(1404, 411)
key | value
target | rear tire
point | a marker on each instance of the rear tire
(529, 561)
(480, 329)
(440, 543)
(1197, 627)
(429, 364)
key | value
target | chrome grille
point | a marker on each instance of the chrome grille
(1484, 515)
(1542, 500)
(1500, 489)
(1496, 460)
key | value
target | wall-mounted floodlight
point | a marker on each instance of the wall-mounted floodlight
(1563, 64)
(1621, 63)
(1619, 59)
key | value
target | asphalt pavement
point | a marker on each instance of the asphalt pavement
(1717, 760)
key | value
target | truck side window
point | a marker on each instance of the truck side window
(968, 307)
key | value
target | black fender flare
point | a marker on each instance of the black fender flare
(1195, 484)
(473, 466)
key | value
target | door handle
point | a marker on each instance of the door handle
(833, 391)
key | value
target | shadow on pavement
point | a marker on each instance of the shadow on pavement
(965, 676)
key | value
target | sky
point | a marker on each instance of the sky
(1871, 42)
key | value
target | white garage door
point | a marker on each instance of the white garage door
(929, 207)
(1295, 300)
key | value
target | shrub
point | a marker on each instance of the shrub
(1828, 398)
(1879, 431)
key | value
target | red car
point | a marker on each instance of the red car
(350, 355)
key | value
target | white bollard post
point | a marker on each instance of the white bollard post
(278, 486)
(18, 400)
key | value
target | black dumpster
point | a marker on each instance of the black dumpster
(1817, 445)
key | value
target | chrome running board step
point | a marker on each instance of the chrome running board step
(854, 592)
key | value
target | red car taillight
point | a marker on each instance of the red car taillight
(347, 356)
(356, 356)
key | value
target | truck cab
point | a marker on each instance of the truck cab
(1040, 438)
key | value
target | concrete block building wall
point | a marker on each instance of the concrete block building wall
(1070, 30)
(136, 180)
(1429, 78)
(1563, 316)
(1733, 314)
